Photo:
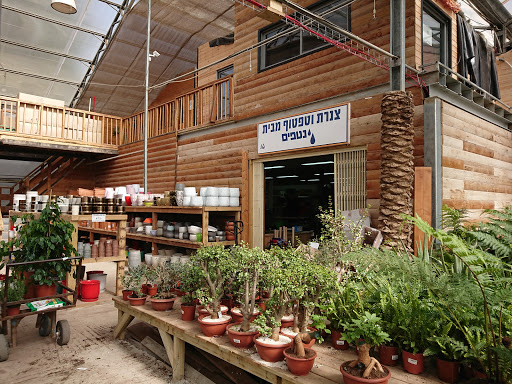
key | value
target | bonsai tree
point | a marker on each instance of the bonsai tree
(368, 329)
(249, 266)
(166, 278)
(47, 237)
(215, 270)
(189, 282)
(150, 275)
(132, 280)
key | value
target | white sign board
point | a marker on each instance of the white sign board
(98, 218)
(307, 130)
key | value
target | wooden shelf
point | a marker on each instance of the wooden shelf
(98, 231)
(91, 260)
(185, 210)
(72, 218)
(174, 242)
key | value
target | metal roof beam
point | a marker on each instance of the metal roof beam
(40, 77)
(12, 9)
(5, 41)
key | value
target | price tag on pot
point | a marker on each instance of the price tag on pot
(394, 357)
(412, 361)
(340, 342)
(182, 312)
(236, 341)
(98, 218)
(219, 314)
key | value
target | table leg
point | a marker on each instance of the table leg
(178, 370)
(169, 346)
(124, 320)
(14, 332)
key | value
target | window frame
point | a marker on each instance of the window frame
(436, 13)
(261, 50)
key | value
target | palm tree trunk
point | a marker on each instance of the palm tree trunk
(397, 168)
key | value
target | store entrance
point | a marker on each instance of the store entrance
(294, 191)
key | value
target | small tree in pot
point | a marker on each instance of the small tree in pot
(132, 281)
(165, 279)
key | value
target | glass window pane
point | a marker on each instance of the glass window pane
(282, 48)
(432, 38)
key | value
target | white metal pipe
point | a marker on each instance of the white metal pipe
(146, 102)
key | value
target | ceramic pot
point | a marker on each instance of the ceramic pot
(14, 310)
(388, 355)
(126, 294)
(271, 352)
(238, 317)
(162, 304)
(351, 379)
(151, 290)
(286, 323)
(413, 362)
(213, 328)
(137, 301)
(337, 343)
(242, 340)
(448, 371)
(188, 312)
(89, 290)
(299, 367)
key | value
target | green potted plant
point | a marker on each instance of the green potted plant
(132, 281)
(365, 331)
(214, 269)
(189, 284)
(47, 237)
(150, 280)
(15, 292)
(165, 280)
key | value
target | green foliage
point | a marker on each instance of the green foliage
(445, 345)
(166, 278)
(452, 220)
(133, 280)
(16, 289)
(343, 303)
(365, 327)
(190, 281)
(44, 238)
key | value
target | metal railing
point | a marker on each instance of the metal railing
(21, 118)
(209, 104)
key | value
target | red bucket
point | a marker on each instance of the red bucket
(89, 290)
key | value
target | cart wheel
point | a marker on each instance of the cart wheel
(63, 332)
(45, 326)
(4, 348)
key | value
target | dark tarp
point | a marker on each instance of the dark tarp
(476, 58)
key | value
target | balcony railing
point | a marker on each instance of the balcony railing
(24, 119)
(210, 104)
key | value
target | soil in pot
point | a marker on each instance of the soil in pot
(337, 343)
(45, 290)
(127, 293)
(237, 316)
(270, 350)
(239, 339)
(413, 362)
(188, 312)
(162, 304)
(289, 332)
(137, 301)
(388, 355)
(213, 327)
(353, 375)
(448, 371)
(300, 366)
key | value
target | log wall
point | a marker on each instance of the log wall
(476, 162)
(207, 55)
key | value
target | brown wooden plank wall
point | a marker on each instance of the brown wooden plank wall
(207, 55)
(476, 161)
(130, 169)
(81, 177)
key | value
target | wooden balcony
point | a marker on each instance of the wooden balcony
(31, 125)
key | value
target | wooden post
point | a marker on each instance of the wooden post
(422, 202)
(245, 196)
(178, 369)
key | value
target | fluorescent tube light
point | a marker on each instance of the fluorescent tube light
(268, 178)
(286, 177)
(314, 180)
(274, 167)
(319, 163)
(328, 173)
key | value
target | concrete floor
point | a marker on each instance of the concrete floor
(92, 355)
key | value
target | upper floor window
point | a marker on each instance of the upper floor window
(298, 43)
(436, 27)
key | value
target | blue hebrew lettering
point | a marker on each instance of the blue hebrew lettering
(278, 126)
(307, 120)
(293, 135)
(265, 128)
(304, 134)
(299, 134)
(284, 137)
(326, 116)
(285, 123)
(301, 121)
(319, 118)
(294, 123)
(331, 115)
(337, 112)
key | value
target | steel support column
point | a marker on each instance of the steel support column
(397, 70)
(432, 149)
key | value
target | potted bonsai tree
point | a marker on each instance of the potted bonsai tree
(132, 281)
(15, 292)
(214, 270)
(299, 359)
(44, 238)
(166, 277)
(250, 266)
(150, 280)
(189, 283)
(367, 332)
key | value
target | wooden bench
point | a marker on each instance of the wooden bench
(175, 333)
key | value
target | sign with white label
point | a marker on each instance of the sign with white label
(394, 357)
(236, 341)
(412, 361)
(340, 342)
(307, 130)
(98, 218)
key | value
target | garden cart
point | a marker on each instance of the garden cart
(46, 316)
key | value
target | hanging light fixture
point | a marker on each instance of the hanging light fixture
(64, 6)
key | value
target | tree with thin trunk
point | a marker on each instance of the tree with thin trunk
(397, 168)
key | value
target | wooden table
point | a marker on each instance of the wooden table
(175, 333)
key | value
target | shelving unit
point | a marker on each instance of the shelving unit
(204, 212)
(120, 234)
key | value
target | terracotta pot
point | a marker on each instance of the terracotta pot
(388, 355)
(447, 371)
(413, 362)
(299, 367)
(228, 302)
(45, 290)
(271, 352)
(14, 310)
(238, 317)
(144, 289)
(351, 379)
(188, 312)
(262, 305)
(213, 328)
(180, 292)
(162, 304)
(242, 340)
(203, 311)
(286, 323)
(137, 301)
(151, 290)
(126, 294)
(337, 343)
